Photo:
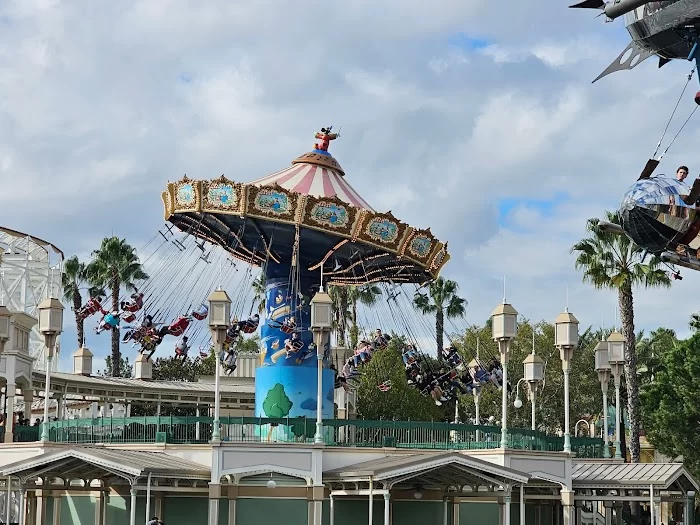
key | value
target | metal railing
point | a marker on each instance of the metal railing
(343, 433)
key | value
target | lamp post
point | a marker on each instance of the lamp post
(566, 339)
(4, 327)
(616, 358)
(533, 366)
(321, 324)
(219, 319)
(504, 325)
(602, 366)
(50, 326)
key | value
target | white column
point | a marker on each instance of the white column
(506, 498)
(9, 411)
(567, 424)
(57, 510)
(477, 398)
(445, 512)
(606, 446)
(196, 428)
(371, 504)
(214, 495)
(216, 432)
(522, 504)
(652, 513)
(387, 508)
(504, 395)
(332, 510)
(533, 394)
(8, 500)
(569, 510)
(148, 498)
(47, 395)
(318, 438)
(22, 503)
(618, 452)
(132, 515)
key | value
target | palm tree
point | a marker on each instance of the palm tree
(340, 295)
(72, 278)
(441, 300)
(115, 266)
(615, 262)
(259, 293)
(367, 295)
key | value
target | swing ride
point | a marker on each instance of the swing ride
(306, 227)
(668, 29)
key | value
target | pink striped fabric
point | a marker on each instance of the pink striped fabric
(309, 179)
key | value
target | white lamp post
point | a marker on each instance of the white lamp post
(321, 324)
(616, 358)
(4, 326)
(566, 339)
(602, 366)
(50, 326)
(504, 325)
(534, 373)
(219, 319)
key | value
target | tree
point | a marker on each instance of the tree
(277, 405)
(402, 402)
(671, 411)
(367, 295)
(115, 266)
(72, 278)
(441, 300)
(125, 368)
(649, 352)
(615, 262)
(259, 293)
(340, 295)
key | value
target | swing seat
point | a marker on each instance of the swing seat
(128, 317)
(199, 315)
(202, 353)
(249, 328)
(697, 98)
(287, 329)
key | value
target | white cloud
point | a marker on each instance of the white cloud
(99, 109)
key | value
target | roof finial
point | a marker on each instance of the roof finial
(504, 288)
(566, 309)
(325, 136)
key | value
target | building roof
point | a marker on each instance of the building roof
(316, 174)
(435, 468)
(119, 387)
(86, 462)
(662, 475)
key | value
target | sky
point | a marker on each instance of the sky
(475, 118)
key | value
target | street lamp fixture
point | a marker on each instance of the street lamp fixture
(602, 366)
(533, 366)
(566, 339)
(321, 325)
(4, 327)
(616, 358)
(50, 326)
(504, 326)
(219, 320)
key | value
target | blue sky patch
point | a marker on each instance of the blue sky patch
(546, 207)
(468, 43)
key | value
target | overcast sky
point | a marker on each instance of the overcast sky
(476, 118)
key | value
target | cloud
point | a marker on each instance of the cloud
(446, 115)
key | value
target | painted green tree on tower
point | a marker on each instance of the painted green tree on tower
(277, 404)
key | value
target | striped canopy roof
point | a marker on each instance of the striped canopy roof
(315, 177)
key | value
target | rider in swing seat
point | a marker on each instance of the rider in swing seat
(452, 357)
(289, 325)
(250, 325)
(177, 327)
(200, 313)
(109, 322)
(92, 307)
(228, 360)
(182, 348)
(293, 344)
(127, 316)
(135, 304)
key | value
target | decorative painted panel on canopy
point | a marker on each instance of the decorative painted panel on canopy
(310, 211)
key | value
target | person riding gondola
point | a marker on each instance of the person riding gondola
(135, 304)
(182, 348)
(177, 327)
(228, 361)
(91, 308)
(293, 345)
(109, 322)
(200, 313)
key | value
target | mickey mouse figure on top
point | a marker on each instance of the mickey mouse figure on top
(325, 136)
